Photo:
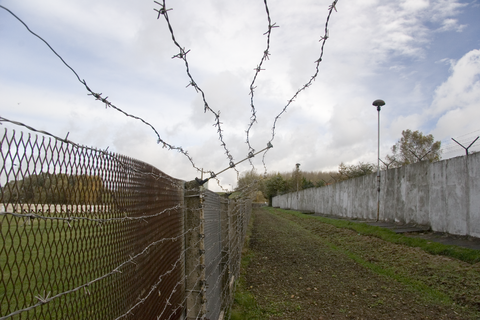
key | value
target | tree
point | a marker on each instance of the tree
(274, 186)
(307, 183)
(354, 171)
(250, 183)
(57, 188)
(414, 147)
(320, 183)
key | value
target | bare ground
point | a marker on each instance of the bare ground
(302, 268)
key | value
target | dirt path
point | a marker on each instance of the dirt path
(304, 269)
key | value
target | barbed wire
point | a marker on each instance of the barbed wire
(451, 147)
(108, 104)
(323, 40)
(182, 55)
(98, 96)
(82, 218)
(180, 284)
(467, 134)
(232, 165)
(199, 280)
(266, 54)
(156, 284)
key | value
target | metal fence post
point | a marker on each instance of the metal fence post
(233, 242)
(195, 274)
(226, 254)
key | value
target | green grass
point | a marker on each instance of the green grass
(460, 253)
(245, 306)
(429, 294)
(437, 281)
(440, 282)
(38, 257)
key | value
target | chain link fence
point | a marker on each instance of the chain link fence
(89, 234)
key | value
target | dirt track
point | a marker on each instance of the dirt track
(304, 269)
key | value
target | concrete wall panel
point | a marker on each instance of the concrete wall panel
(474, 192)
(438, 197)
(456, 199)
(444, 195)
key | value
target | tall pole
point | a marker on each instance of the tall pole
(378, 104)
(378, 167)
(297, 174)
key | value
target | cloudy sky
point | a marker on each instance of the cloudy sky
(422, 57)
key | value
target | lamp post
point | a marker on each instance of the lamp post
(297, 176)
(378, 103)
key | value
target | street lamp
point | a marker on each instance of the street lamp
(378, 103)
(297, 174)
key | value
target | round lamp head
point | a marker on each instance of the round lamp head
(378, 103)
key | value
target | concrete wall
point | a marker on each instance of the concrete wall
(444, 195)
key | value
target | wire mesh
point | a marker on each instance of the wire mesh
(74, 222)
(89, 234)
(213, 252)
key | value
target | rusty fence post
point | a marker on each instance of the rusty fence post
(195, 274)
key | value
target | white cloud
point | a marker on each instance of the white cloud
(458, 98)
(443, 9)
(462, 88)
(415, 5)
(93, 19)
(451, 24)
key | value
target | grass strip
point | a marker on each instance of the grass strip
(428, 294)
(245, 306)
(464, 254)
